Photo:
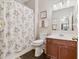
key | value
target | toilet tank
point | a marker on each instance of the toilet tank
(42, 35)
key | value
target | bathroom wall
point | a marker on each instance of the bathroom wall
(47, 5)
(30, 4)
(19, 22)
(36, 19)
(44, 5)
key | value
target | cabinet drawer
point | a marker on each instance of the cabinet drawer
(72, 43)
(62, 42)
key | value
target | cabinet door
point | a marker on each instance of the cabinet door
(63, 52)
(67, 52)
(52, 51)
(72, 52)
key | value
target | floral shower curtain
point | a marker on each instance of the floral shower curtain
(18, 32)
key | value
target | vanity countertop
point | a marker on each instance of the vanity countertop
(62, 36)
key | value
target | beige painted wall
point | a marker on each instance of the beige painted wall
(36, 19)
(44, 5)
(47, 5)
(30, 4)
(39, 6)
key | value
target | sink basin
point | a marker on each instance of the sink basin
(62, 35)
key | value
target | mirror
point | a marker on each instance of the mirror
(65, 24)
(63, 19)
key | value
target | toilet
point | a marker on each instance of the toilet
(39, 44)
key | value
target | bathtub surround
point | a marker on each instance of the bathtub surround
(19, 22)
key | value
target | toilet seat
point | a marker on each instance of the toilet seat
(37, 43)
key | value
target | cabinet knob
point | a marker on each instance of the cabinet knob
(72, 44)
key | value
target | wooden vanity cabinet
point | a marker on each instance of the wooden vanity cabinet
(61, 49)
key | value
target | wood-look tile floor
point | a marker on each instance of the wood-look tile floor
(30, 55)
